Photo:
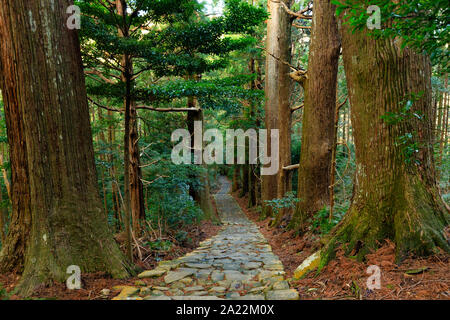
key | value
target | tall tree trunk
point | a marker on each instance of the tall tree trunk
(126, 78)
(101, 139)
(318, 115)
(201, 195)
(112, 172)
(45, 91)
(15, 245)
(4, 209)
(245, 178)
(395, 194)
(236, 171)
(277, 89)
(136, 185)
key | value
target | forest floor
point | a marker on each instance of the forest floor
(93, 284)
(345, 278)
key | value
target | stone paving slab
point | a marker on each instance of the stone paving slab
(236, 264)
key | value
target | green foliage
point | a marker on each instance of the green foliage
(287, 202)
(422, 24)
(321, 223)
(160, 245)
(179, 42)
(4, 295)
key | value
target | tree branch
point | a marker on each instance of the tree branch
(297, 107)
(99, 74)
(299, 76)
(168, 109)
(291, 167)
(296, 15)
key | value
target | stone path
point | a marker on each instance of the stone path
(237, 264)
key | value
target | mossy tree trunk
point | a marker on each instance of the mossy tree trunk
(45, 90)
(395, 194)
(318, 115)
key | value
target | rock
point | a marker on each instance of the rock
(177, 285)
(119, 288)
(233, 295)
(187, 280)
(236, 285)
(250, 297)
(257, 289)
(105, 292)
(252, 265)
(310, 264)
(145, 291)
(126, 298)
(196, 298)
(231, 266)
(289, 294)
(277, 266)
(251, 284)
(126, 292)
(266, 274)
(152, 273)
(203, 282)
(281, 285)
(218, 289)
(271, 281)
(173, 276)
(140, 283)
(224, 283)
(217, 276)
(168, 265)
(203, 274)
(157, 293)
(176, 292)
(199, 293)
(198, 265)
(236, 275)
(157, 298)
(196, 288)
(160, 288)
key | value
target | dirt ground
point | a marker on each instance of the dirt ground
(342, 278)
(93, 284)
(346, 278)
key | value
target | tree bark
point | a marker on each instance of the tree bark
(318, 115)
(395, 194)
(201, 195)
(45, 93)
(277, 89)
(236, 173)
(126, 64)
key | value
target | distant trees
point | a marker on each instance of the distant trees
(157, 53)
(57, 214)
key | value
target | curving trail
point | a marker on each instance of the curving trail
(237, 264)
